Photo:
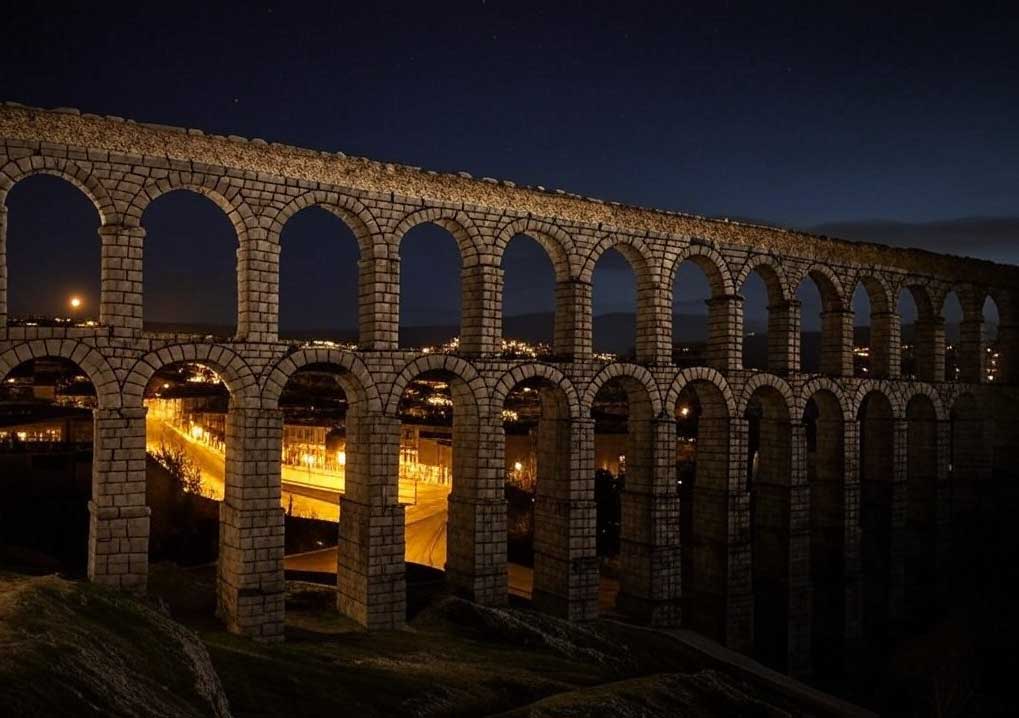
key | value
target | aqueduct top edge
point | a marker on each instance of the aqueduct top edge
(116, 135)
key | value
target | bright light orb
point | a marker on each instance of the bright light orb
(75, 302)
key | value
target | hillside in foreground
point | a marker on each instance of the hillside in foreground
(71, 649)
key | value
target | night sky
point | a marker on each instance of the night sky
(898, 127)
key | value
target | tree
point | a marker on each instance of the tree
(181, 467)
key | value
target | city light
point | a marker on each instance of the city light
(517, 466)
(197, 432)
(684, 411)
(341, 458)
(75, 302)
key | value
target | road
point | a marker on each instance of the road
(308, 502)
(426, 517)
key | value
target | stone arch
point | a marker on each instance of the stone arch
(708, 376)
(558, 244)
(819, 384)
(275, 378)
(830, 287)
(879, 291)
(711, 262)
(357, 218)
(457, 366)
(522, 373)
(633, 371)
(17, 170)
(634, 249)
(231, 367)
(90, 360)
(224, 194)
(759, 380)
(915, 389)
(922, 294)
(829, 516)
(458, 223)
(884, 388)
(772, 272)
(971, 299)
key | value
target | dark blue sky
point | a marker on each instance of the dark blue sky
(788, 114)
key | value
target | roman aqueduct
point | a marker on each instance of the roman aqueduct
(896, 461)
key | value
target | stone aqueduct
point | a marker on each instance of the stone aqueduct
(870, 514)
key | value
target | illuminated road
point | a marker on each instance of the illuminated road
(307, 501)
(426, 518)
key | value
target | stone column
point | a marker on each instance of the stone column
(650, 585)
(897, 568)
(725, 333)
(929, 349)
(971, 351)
(885, 345)
(251, 585)
(565, 520)
(476, 530)
(654, 325)
(120, 304)
(853, 540)
(739, 597)
(3, 266)
(371, 578)
(943, 513)
(481, 310)
(378, 303)
(784, 338)
(837, 343)
(258, 262)
(800, 606)
(118, 540)
(572, 333)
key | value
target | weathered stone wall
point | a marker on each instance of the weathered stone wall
(862, 516)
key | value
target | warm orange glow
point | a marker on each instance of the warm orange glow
(197, 431)
(75, 302)
(517, 466)
(684, 411)
(341, 458)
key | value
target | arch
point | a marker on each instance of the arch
(634, 249)
(913, 390)
(708, 376)
(881, 387)
(824, 410)
(357, 218)
(222, 191)
(772, 272)
(922, 296)
(879, 291)
(830, 287)
(823, 384)
(509, 380)
(17, 170)
(559, 245)
(231, 367)
(638, 373)
(455, 365)
(277, 376)
(771, 476)
(90, 360)
(457, 223)
(756, 382)
(710, 262)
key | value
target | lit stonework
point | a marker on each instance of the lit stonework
(881, 440)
